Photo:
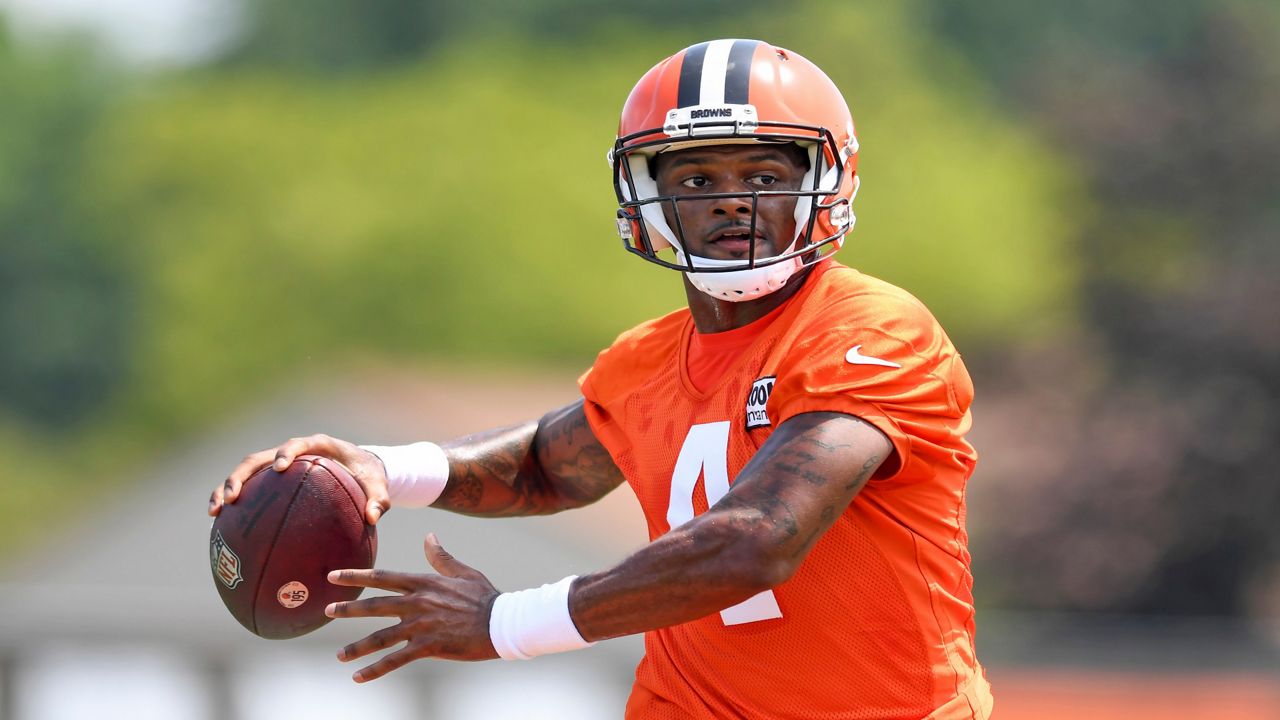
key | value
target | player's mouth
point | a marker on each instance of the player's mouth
(736, 240)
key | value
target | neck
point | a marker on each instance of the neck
(712, 316)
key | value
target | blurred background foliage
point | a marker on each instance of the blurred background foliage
(1084, 195)
(1169, 422)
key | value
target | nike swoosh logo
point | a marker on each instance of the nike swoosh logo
(855, 357)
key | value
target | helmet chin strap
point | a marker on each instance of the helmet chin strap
(740, 285)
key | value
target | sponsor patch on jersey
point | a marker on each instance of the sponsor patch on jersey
(756, 401)
(226, 564)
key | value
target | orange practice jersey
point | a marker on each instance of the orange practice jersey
(878, 621)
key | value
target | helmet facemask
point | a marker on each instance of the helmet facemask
(820, 208)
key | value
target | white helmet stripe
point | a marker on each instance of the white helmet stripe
(714, 64)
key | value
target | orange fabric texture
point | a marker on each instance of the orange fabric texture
(878, 621)
(711, 355)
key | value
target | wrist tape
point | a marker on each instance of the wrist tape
(534, 622)
(416, 474)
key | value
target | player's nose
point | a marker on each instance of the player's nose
(737, 205)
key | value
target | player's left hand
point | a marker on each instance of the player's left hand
(443, 616)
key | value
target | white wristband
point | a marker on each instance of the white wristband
(534, 622)
(416, 474)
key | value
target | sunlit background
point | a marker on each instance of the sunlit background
(226, 222)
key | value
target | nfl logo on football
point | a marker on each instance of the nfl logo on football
(226, 564)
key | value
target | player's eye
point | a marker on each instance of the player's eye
(696, 181)
(765, 180)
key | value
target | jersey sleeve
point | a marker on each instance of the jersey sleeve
(607, 428)
(886, 361)
(636, 354)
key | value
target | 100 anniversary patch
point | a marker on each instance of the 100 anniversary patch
(756, 401)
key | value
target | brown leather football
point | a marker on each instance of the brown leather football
(272, 549)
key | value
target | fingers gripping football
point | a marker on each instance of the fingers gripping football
(229, 490)
(364, 466)
(443, 616)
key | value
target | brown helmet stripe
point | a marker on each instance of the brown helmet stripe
(691, 75)
(737, 76)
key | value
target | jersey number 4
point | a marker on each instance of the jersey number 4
(706, 453)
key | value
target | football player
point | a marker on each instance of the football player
(795, 437)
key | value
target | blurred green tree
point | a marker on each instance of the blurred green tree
(65, 327)
(1170, 110)
(329, 35)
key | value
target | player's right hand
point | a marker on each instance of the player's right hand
(364, 466)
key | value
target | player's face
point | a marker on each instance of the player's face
(719, 228)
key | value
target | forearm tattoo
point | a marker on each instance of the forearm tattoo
(485, 473)
(567, 448)
(534, 468)
(800, 484)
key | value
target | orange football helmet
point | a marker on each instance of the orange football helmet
(736, 91)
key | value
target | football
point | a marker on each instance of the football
(272, 549)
